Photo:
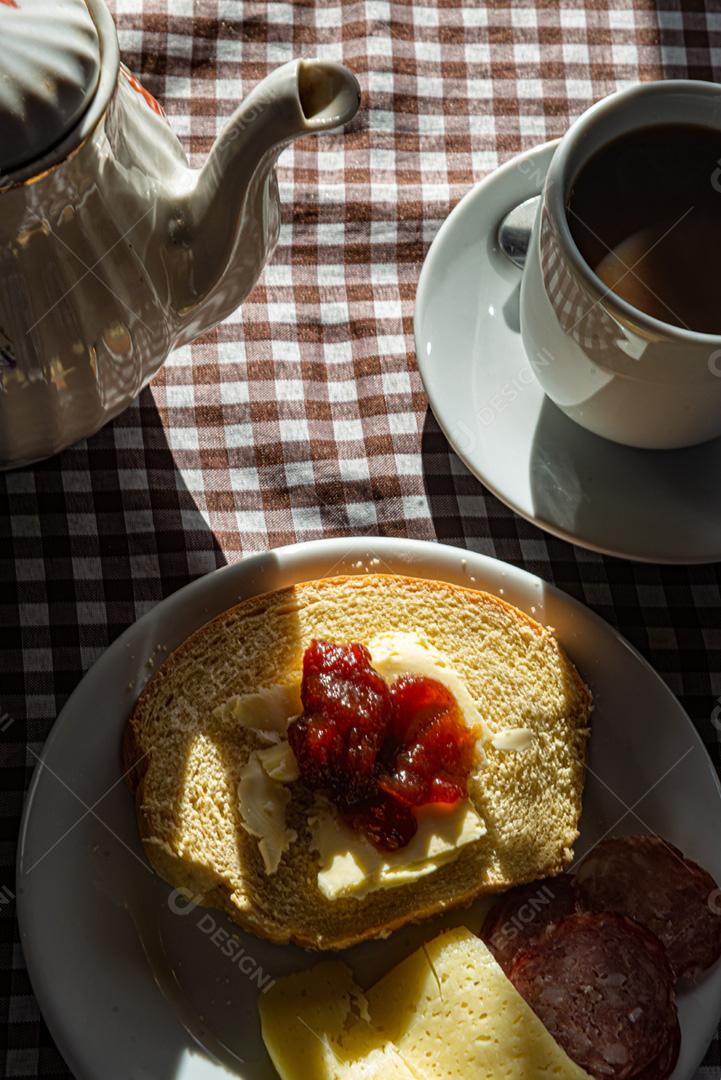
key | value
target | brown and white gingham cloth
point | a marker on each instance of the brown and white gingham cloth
(303, 415)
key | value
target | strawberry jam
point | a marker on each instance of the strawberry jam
(337, 738)
(376, 751)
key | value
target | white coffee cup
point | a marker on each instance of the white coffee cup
(609, 366)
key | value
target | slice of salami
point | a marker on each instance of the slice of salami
(522, 916)
(647, 879)
(603, 987)
(665, 1063)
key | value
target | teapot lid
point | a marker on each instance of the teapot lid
(49, 72)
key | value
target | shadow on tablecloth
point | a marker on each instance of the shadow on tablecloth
(91, 539)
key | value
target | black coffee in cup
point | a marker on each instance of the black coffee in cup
(645, 213)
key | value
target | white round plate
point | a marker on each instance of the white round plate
(650, 505)
(135, 985)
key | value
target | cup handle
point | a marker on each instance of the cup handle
(514, 231)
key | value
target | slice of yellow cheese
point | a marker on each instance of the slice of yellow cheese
(451, 1013)
(304, 1015)
(380, 1064)
(447, 1012)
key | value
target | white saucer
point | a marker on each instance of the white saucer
(136, 985)
(650, 505)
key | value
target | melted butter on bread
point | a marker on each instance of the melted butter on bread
(349, 865)
(518, 739)
(267, 711)
(279, 762)
(263, 801)
(407, 653)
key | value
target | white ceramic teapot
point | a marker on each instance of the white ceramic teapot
(112, 250)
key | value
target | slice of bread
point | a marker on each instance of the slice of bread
(185, 759)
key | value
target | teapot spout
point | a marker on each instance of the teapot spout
(328, 93)
(226, 226)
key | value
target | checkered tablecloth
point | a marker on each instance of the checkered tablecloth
(303, 415)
